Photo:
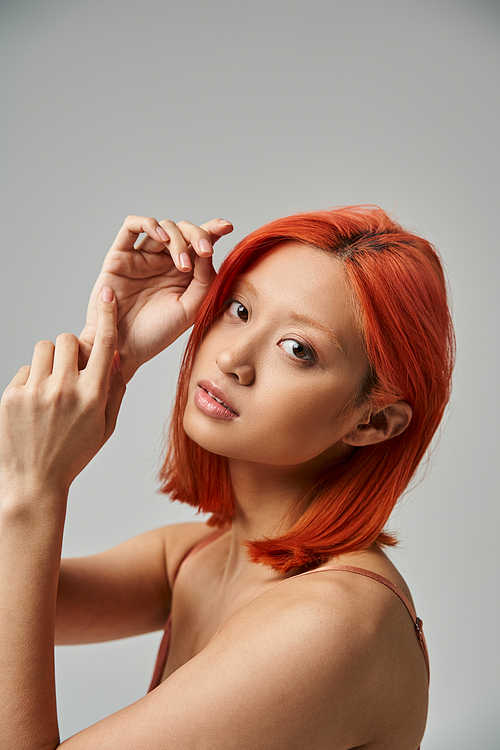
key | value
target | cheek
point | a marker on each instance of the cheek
(300, 427)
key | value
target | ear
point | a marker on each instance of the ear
(390, 421)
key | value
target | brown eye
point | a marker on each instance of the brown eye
(237, 310)
(296, 349)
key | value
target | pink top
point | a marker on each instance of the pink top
(165, 643)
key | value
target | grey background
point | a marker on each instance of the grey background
(250, 111)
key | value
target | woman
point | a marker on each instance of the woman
(316, 374)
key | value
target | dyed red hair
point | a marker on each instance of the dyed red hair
(399, 283)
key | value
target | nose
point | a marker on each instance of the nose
(236, 361)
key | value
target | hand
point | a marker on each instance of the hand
(159, 285)
(53, 417)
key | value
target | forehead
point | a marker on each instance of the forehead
(301, 272)
(297, 279)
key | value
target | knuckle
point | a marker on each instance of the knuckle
(93, 399)
(36, 393)
(94, 396)
(59, 394)
(44, 345)
(10, 397)
(67, 338)
(62, 391)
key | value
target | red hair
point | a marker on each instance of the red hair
(399, 283)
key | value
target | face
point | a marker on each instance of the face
(276, 376)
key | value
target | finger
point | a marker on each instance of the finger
(132, 227)
(66, 354)
(174, 243)
(43, 358)
(197, 237)
(202, 238)
(101, 356)
(217, 228)
(21, 376)
(192, 298)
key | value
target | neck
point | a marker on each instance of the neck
(266, 499)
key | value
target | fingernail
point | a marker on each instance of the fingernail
(107, 294)
(161, 233)
(184, 260)
(223, 221)
(205, 247)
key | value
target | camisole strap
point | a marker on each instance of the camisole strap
(161, 659)
(385, 581)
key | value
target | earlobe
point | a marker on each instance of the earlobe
(390, 421)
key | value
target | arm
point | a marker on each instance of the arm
(118, 593)
(53, 419)
(273, 677)
(125, 590)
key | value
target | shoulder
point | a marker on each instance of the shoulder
(344, 645)
(312, 662)
(325, 609)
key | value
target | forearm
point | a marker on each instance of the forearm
(31, 527)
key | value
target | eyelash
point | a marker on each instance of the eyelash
(230, 303)
(311, 354)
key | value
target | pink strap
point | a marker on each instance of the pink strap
(161, 659)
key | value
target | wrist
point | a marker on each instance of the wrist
(25, 502)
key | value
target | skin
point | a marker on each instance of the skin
(363, 684)
(288, 379)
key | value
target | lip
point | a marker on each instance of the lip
(212, 401)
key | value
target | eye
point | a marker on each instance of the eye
(297, 350)
(236, 309)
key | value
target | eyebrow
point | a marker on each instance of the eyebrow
(296, 317)
(312, 323)
(242, 281)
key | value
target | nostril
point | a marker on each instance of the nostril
(235, 366)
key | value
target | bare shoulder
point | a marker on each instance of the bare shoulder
(325, 661)
(316, 661)
(343, 648)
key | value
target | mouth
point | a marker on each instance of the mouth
(219, 400)
(213, 401)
